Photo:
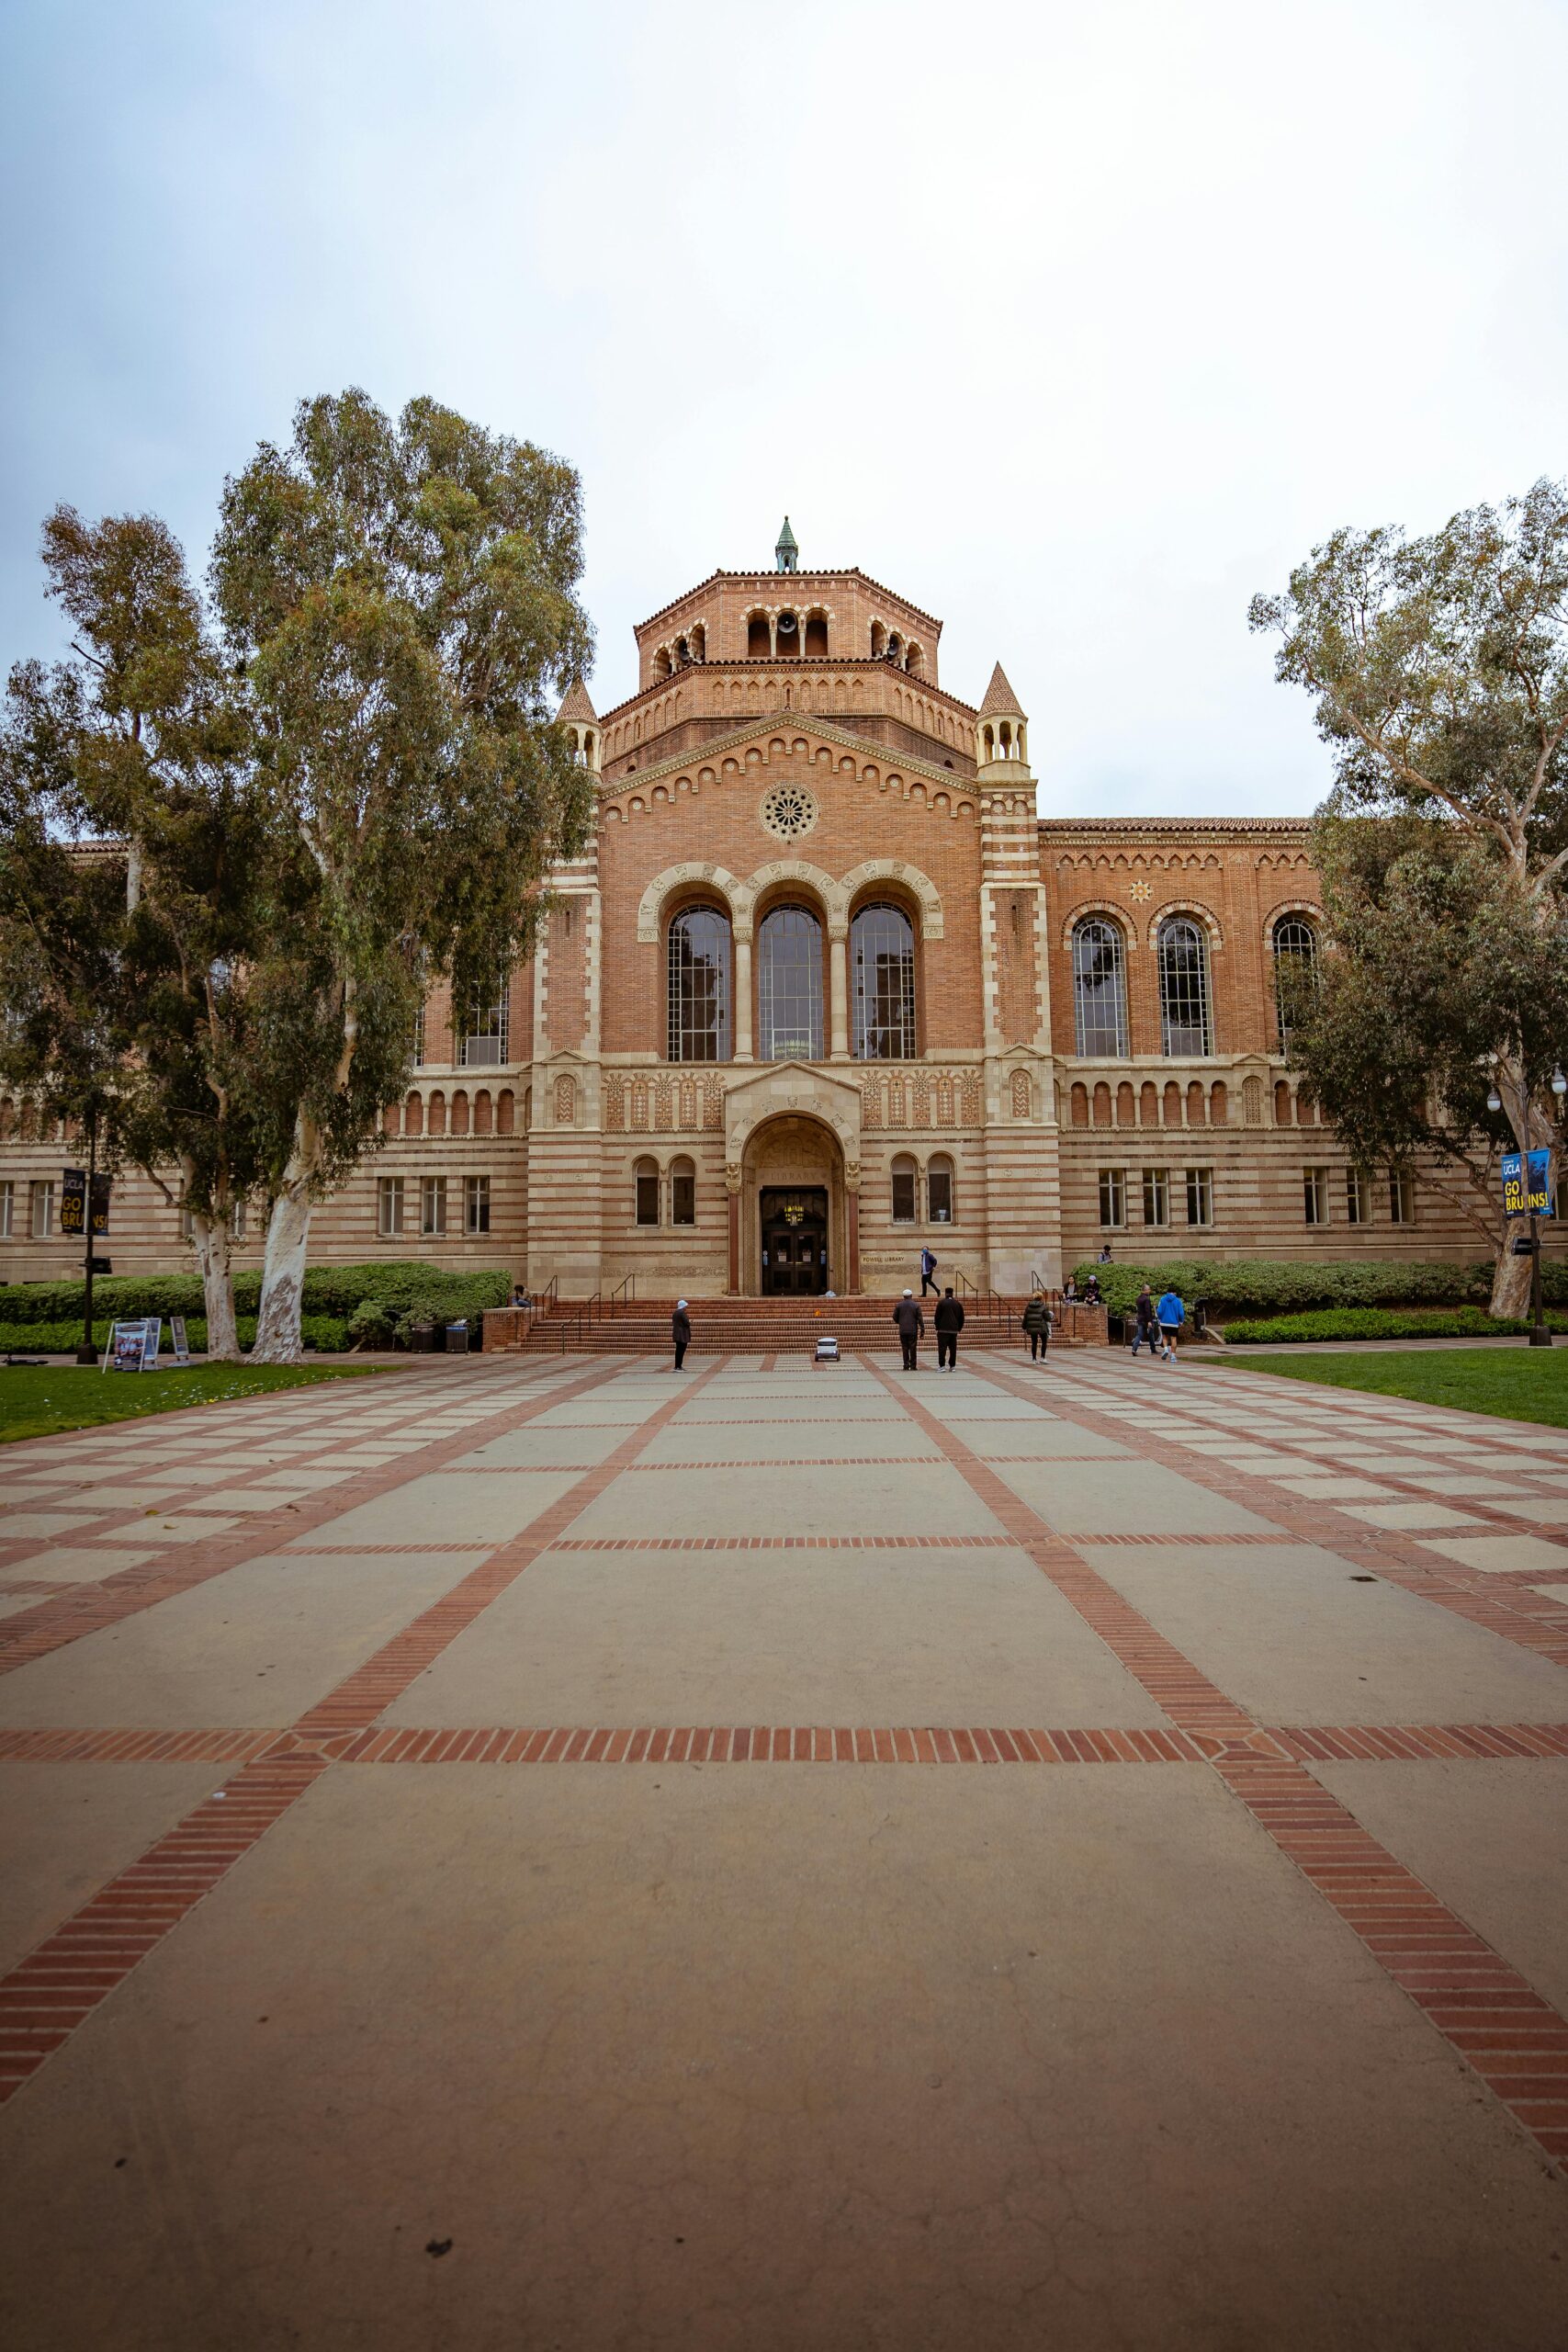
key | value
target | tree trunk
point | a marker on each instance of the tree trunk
(211, 1238)
(283, 1270)
(1511, 1281)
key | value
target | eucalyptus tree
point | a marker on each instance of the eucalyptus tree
(1439, 671)
(130, 861)
(403, 600)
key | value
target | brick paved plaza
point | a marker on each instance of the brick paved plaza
(520, 1854)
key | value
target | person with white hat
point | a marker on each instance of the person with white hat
(681, 1331)
(911, 1326)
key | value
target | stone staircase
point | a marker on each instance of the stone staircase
(751, 1325)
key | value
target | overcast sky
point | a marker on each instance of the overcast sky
(1075, 324)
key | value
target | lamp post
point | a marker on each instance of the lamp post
(1540, 1336)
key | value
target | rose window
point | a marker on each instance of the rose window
(788, 811)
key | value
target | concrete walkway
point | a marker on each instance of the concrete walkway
(776, 1860)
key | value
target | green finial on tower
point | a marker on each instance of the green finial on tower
(786, 555)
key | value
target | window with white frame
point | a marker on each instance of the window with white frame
(1294, 943)
(389, 1206)
(237, 1220)
(939, 1189)
(476, 1204)
(1100, 988)
(7, 1209)
(1157, 1196)
(1113, 1196)
(1401, 1196)
(1358, 1197)
(433, 1205)
(41, 1199)
(1315, 1195)
(1187, 1028)
(489, 1034)
(1199, 1196)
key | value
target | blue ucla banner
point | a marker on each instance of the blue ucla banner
(1527, 1184)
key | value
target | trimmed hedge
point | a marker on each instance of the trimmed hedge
(1290, 1285)
(1384, 1323)
(328, 1290)
(328, 1332)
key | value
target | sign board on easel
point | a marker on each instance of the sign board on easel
(133, 1347)
(177, 1340)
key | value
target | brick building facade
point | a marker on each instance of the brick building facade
(825, 987)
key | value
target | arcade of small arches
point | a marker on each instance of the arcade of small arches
(437, 1111)
(1195, 1103)
(791, 633)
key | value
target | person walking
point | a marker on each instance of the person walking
(911, 1327)
(928, 1271)
(1145, 1325)
(1037, 1323)
(949, 1321)
(681, 1331)
(1172, 1314)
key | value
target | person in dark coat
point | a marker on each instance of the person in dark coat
(1145, 1327)
(911, 1327)
(681, 1331)
(1037, 1323)
(949, 1321)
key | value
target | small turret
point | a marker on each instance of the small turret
(786, 555)
(578, 714)
(1002, 733)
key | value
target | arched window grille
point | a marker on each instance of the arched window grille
(1100, 988)
(1295, 967)
(882, 945)
(1185, 1018)
(699, 987)
(789, 991)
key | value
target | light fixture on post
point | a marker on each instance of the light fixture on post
(1494, 1100)
(1559, 1084)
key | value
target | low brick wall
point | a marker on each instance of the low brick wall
(505, 1327)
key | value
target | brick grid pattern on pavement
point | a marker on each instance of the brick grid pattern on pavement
(1515, 2041)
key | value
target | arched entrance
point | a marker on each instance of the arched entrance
(794, 1232)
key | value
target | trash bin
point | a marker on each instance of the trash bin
(457, 1339)
(424, 1340)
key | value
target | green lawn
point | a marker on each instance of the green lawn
(35, 1400)
(1523, 1384)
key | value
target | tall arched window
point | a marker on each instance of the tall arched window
(789, 985)
(646, 1186)
(1295, 967)
(1100, 988)
(882, 941)
(699, 987)
(1185, 1022)
(682, 1192)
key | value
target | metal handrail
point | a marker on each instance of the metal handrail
(626, 1291)
(574, 1323)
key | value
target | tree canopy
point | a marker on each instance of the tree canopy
(402, 599)
(1439, 671)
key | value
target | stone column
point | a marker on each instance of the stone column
(838, 995)
(732, 1187)
(852, 1226)
(741, 1013)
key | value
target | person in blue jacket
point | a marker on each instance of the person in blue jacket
(1172, 1314)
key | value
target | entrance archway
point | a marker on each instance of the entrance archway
(793, 1227)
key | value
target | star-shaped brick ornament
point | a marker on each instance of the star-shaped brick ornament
(1141, 890)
